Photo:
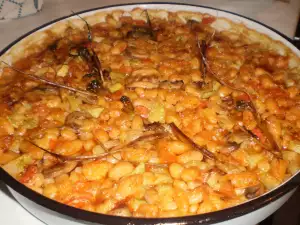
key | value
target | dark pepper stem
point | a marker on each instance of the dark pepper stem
(261, 124)
(202, 47)
(90, 37)
(128, 106)
(98, 65)
(183, 137)
(150, 24)
(34, 77)
(94, 58)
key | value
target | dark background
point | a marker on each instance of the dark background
(288, 214)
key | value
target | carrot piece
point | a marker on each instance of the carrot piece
(256, 131)
(203, 104)
(116, 95)
(278, 168)
(4, 106)
(52, 144)
(139, 22)
(208, 20)
(125, 69)
(147, 60)
(28, 174)
(126, 20)
(142, 111)
(80, 200)
(166, 157)
(206, 134)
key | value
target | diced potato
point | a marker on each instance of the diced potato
(134, 203)
(294, 146)
(117, 77)
(6, 127)
(157, 113)
(115, 87)
(95, 112)
(226, 122)
(268, 180)
(18, 165)
(98, 39)
(294, 161)
(7, 157)
(254, 159)
(74, 102)
(140, 169)
(63, 71)
(210, 115)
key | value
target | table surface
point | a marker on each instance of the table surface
(279, 15)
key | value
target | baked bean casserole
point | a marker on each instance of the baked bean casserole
(150, 113)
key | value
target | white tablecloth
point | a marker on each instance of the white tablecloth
(279, 15)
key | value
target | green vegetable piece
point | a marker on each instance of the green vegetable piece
(216, 85)
(115, 87)
(117, 77)
(74, 102)
(31, 123)
(95, 112)
(157, 113)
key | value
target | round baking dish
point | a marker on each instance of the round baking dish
(248, 213)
